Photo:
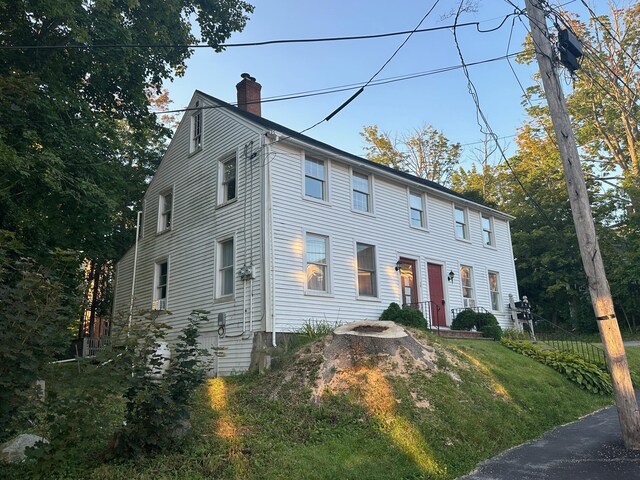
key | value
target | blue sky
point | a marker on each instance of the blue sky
(440, 100)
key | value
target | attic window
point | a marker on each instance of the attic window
(196, 130)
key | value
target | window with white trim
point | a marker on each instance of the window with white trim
(468, 290)
(361, 192)
(226, 274)
(416, 210)
(165, 211)
(196, 130)
(367, 284)
(494, 290)
(315, 178)
(227, 173)
(462, 227)
(488, 238)
(161, 284)
(316, 247)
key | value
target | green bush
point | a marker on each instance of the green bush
(513, 334)
(391, 313)
(35, 313)
(465, 320)
(483, 322)
(157, 406)
(587, 375)
(492, 331)
(411, 317)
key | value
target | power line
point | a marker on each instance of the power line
(606, 29)
(489, 131)
(254, 44)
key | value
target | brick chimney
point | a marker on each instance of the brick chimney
(249, 94)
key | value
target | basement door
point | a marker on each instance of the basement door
(436, 294)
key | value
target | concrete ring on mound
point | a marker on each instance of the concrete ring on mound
(375, 328)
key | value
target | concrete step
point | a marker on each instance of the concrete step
(457, 333)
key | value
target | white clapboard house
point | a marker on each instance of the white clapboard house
(271, 228)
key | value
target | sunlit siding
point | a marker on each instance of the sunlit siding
(197, 224)
(388, 229)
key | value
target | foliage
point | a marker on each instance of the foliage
(78, 142)
(264, 426)
(156, 404)
(513, 334)
(411, 317)
(484, 322)
(587, 375)
(34, 320)
(425, 152)
(491, 331)
(313, 328)
(465, 320)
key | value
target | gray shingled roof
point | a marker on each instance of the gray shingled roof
(269, 125)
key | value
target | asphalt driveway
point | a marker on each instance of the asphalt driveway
(590, 448)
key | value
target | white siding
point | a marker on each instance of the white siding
(388, 229)
(197, 223)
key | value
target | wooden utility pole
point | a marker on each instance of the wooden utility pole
(585, 229)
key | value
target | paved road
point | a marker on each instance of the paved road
(589, 449)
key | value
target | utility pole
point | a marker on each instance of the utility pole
(585, 229)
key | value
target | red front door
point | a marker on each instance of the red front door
(436, 293)
(408, 281)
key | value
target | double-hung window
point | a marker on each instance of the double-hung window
(228, 179)
(367, 284)
(161, 283)
(315, 178)
(462, 227)
(226, 277)
(361, 192)
(196, 130)
(468, 291)
(416, 210)
(317, 262)
(488, 238)
(494, 290)
(165, 211)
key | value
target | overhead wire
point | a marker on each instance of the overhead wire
(255, 44)
(485, 126)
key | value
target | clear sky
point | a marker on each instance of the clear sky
(441, 100)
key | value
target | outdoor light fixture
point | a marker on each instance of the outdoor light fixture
(450, 276)
(398, 264)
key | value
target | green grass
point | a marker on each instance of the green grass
(483, 399)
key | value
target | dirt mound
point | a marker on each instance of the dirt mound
(352, 350)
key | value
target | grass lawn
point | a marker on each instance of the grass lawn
(481, 400)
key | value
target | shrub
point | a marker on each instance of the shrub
(465, 320)
(157, 406)
(35, 313)
(513, 334)
(313, 328)
(391, 313)
(587, 375)
(492, 331)
(483, 322)
(411, 317)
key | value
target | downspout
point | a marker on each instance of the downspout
(269, 297)
(135, 265)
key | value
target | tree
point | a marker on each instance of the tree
(381, 148)
(425, 152)
(78, 143)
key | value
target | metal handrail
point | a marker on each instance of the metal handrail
(456, 311)
(566, 341)
(425, 309)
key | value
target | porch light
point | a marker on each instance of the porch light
(450, 276)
